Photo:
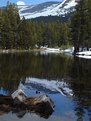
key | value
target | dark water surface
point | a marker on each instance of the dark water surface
(75, 72)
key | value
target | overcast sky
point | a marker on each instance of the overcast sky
(3, 2)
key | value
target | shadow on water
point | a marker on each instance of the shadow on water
(75, 72)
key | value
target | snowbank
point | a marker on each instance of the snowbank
(84, 54)
(52, 50)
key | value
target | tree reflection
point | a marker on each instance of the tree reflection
(14, 67)
(81, 86)
(76, 72)
(20, 111)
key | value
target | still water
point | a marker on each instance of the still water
(46, 73)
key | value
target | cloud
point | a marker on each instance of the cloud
(20, 3)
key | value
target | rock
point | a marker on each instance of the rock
(41, 100)
(20, 96)
(40, 104)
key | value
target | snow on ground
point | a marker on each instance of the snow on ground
(72, 3)
(56, 50)
(53, 10)
(44, 12)
(84, 54)
(69, 50)
(52, 50)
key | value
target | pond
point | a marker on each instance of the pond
(66, 79)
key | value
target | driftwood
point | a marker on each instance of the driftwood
(40, 104)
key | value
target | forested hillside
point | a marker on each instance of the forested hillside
(16, 33)
(25, 34)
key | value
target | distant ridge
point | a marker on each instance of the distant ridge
(50, 8)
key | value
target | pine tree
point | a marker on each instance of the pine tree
(14, 18)
(1, 25)
(81, 25)
(9, 22)
(25, 34)
(7, 34)
(47, 37)
(89, 23)
(64, 34)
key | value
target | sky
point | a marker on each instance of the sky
(28, 2)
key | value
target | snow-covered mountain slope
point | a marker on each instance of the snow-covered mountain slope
(48, 9)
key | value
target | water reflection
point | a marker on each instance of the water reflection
(17, 66)
(76, 73)
(3, 91)
(20, 112)
(81, 85)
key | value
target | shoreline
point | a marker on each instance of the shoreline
(46, 50)
(19, 51)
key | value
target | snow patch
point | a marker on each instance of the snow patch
(86, 53)
(52, 50)
(69, 50)
(53, 10)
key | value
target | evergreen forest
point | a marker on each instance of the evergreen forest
(16, 33)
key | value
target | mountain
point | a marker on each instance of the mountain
(48, 9)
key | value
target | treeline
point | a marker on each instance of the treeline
(25, 34)
(81, 25)
(48, 19)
